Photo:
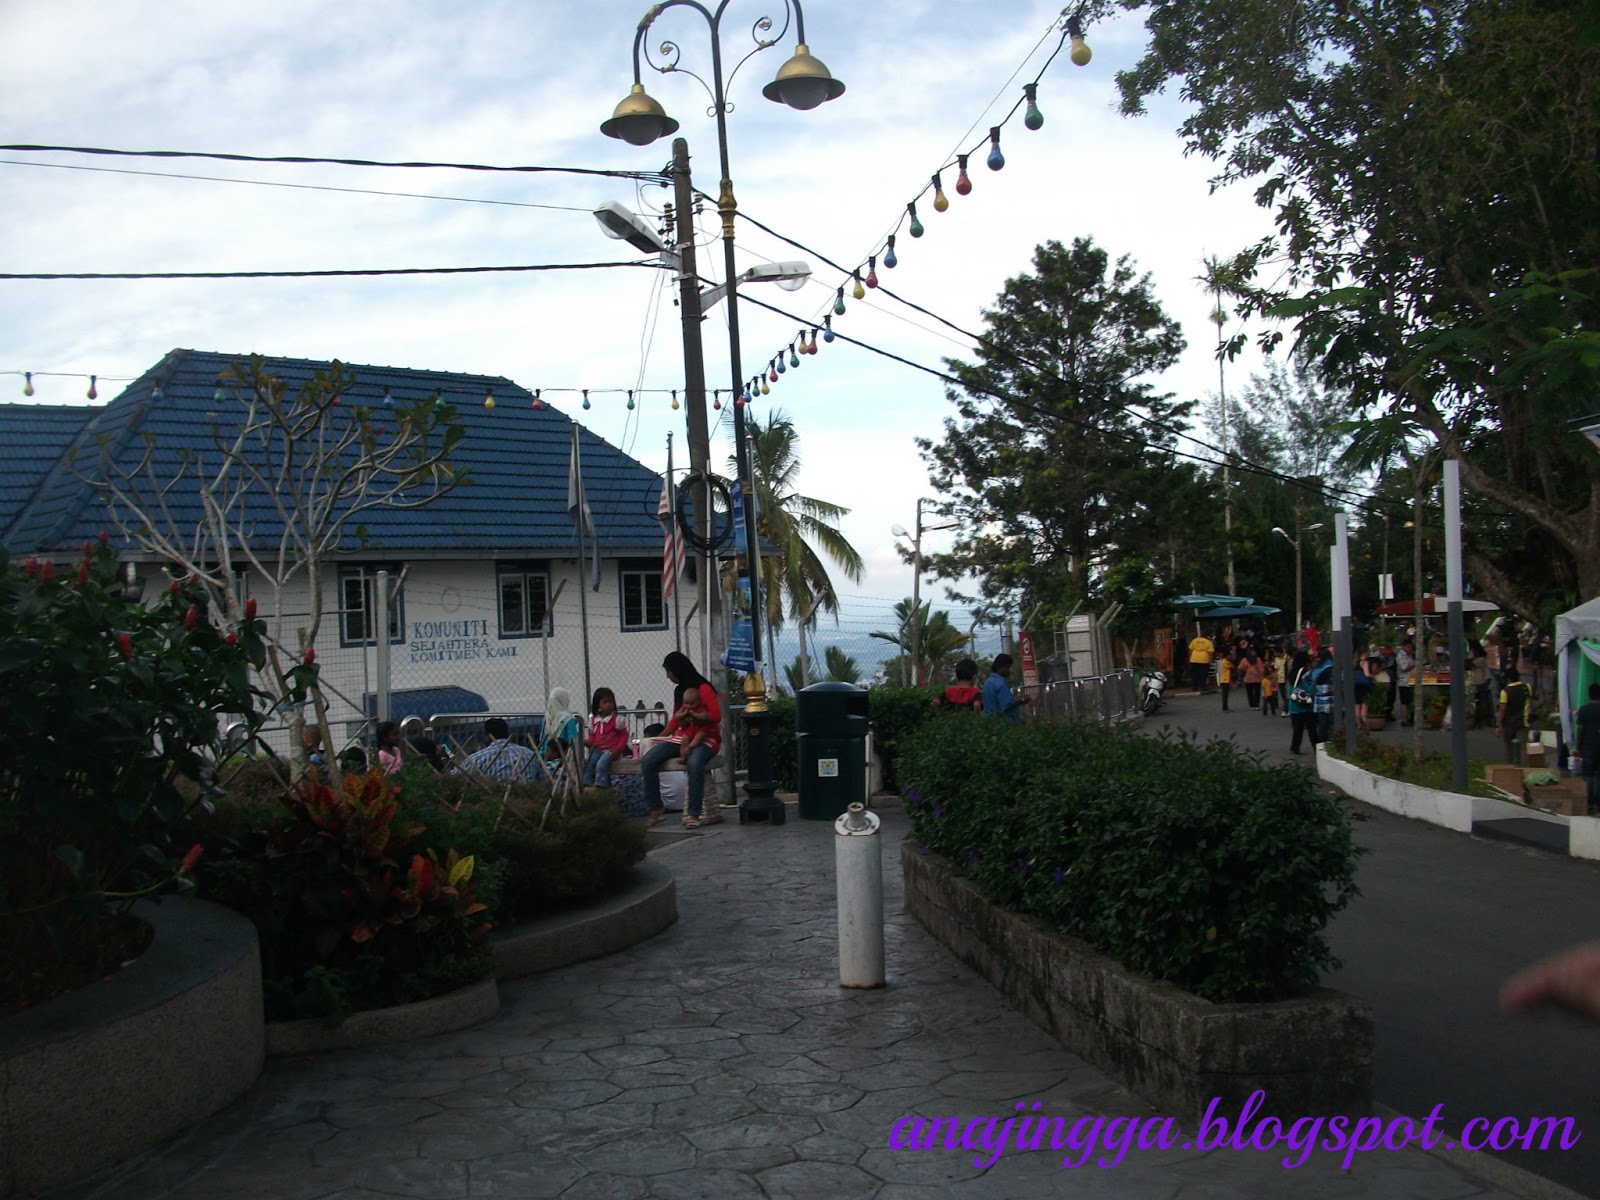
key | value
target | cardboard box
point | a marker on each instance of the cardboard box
(1566, 797)
(1533, 755)
(1506, 776)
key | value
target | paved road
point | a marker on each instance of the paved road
(719, 1059)
(1442, 920)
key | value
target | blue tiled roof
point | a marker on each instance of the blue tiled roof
(515, 504)
(33, 437)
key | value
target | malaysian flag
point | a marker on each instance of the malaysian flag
(672, 550)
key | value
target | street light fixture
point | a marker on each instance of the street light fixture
(803, 82)
(1299, 574)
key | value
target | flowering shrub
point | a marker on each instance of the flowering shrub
(1194, 863)
(112, 713)
(353, 910)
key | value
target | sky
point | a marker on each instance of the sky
(502, 83)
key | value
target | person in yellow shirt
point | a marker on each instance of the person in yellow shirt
(1201, 651)
(1225, 671)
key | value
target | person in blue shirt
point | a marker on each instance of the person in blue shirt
(997, 698)
(1322, 681)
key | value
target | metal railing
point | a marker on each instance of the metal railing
(1107, 699)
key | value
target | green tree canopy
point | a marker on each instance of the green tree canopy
(1045, 468)
(1434, 175)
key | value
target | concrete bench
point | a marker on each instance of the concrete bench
(630, 766)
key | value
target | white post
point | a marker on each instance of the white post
(1455, 623)
(858, 863)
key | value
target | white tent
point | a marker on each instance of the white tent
(1577, 660)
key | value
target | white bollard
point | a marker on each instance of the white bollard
(858, 863)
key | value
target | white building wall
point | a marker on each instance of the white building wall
(452, 638)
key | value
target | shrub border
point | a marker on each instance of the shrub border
(1312, 1056)
(166, 1042)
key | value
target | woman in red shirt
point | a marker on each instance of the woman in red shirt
(696, 730)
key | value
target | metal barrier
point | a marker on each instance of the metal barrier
(1107, 699)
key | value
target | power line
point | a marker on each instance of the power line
(308, 187)
(300, 159)
(323, 274)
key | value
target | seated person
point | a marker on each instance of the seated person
(696, 736)
(501, 760)
(428, 750)
(390, 754)
(607, 738)
(353, 761)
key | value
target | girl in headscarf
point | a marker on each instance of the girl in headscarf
(560, 723)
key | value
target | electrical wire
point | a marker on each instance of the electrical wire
(300, 159)
(322, 274)
(307, 187)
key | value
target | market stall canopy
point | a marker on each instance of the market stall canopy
(1431, 604)
(1577, 661)
(1239, 610)
(1210, 600)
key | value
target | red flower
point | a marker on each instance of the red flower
(31, 567)
(192, 857)
(125, 646)
(105, 538)
(231, 639)
(88, 549)
(311, 655)
(173, 587)
(250, 609)
(83, 571)
(47, 572)
(190, 617)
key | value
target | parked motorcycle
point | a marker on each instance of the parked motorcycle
(1152, 687)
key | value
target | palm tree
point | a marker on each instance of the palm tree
(937, 640)
(795, 577)
(838, 667)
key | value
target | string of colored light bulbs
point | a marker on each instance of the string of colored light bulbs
(1033, 119)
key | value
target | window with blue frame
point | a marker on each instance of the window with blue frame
(643, 607)
(358, 606)
(524, 591)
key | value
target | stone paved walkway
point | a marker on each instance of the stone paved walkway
(717, 1060)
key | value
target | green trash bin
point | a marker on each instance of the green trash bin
(831, 746)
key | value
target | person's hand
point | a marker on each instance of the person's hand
(1569, 980)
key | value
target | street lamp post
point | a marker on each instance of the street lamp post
(802, 82)
(1299, 574)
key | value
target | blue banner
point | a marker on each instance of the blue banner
(736, 495)
(740, 655)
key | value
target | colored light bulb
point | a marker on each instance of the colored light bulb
(772, 373)
(889, 259)
(1081, 54)
(872, 276)
(781, 367)
(996, 159)
(388, 398)
(742, 400)
(941, 202)
(630, 399)
(963, 184)
(838, 304)
(765, 390)
(586, 398)
(219, 397)
(716, 400)
(93, 392)
(859, 291)
(156, 393)
(1032, 118)
(537, 403)
(27, 383)
(674, 401)
(915, 229)
(827, 329)
(812, 349)
(794, 359)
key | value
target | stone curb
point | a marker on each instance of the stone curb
(172, 1038)
(466, 1006)
(1312, 1055)
(647, 906)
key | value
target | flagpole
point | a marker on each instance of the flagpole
(672, 550)
(583, 592)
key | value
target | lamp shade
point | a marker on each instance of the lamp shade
(638, 119)
(803, 82)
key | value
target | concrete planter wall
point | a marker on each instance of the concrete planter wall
(641, 910)
(1311, 1056)
(110, 1070)
(1450, 809)
(459, 1009)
